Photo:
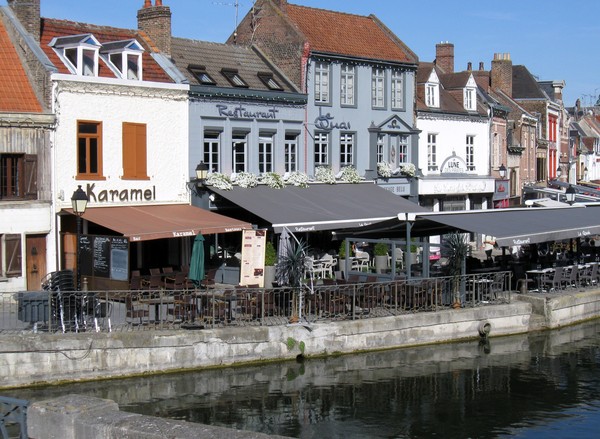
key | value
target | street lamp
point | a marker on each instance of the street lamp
(201, 175)
(79, 202)
(570, 194)
(558, 172)
(502, 171)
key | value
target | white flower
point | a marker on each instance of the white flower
(350, 175)
(246, 179)
(298, 179)
(408, 169)
(324, 174)
(384, 169)
(218, 180)
(273, 180)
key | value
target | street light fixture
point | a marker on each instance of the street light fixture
(79, 202)
(502, 171)
(558, 172)
(570, 194)
(201, 175)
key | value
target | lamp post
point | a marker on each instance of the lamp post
(502, 171)
(558, 172)
(570, 194)
(79, 202)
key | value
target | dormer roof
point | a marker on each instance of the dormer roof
(16, 93)
(358, 36)
(109, 38)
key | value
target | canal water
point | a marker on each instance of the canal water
(529, 386)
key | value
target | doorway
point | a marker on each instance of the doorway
(35, 261)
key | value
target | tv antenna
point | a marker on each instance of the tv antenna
(236, 5)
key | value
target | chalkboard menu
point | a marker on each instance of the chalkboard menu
(104, 256)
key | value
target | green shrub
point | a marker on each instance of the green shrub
(380, 249)
(342, 251)
(270, 254)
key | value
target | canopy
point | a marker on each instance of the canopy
(320, 206)
(509, 226)
(143, 223)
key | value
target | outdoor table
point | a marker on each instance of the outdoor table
(537, 274)
(159, 303)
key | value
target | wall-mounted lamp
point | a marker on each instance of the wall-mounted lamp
(502, 171)
(570, 194)
(558, 172)
(201, 174)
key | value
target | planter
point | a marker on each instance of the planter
(269, 277)
(381, 263)
(228, 275)
(342, 267)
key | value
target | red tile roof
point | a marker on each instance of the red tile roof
(348, 34)
(16, 93)
(60, 28)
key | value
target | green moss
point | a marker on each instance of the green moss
(291, 343)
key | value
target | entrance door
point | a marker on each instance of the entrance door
(35, 261)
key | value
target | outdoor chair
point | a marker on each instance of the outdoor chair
(589, 276)
(136, 309)
(184, 308)
(556, 279)
(363, 259)
(176, 282)
(572, 280)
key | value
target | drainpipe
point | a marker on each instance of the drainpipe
(304, 82)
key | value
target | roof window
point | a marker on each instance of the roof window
(269, 81)
(124, 58)
(233, 77)
(201, 74)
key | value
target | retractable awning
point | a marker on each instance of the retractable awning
(144, 223)
(320, 206)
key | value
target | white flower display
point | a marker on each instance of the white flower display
(219, 181)
(298, 179)
(246, 179)
(273, 180)
(384, 169)
(324, 174)
(408, 169)
(350, 175)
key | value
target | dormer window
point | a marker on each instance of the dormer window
(124, 58)
(79, 53)
(432, 95)
(470, 95)
(269, 81)
(233, 77)
(200, 74)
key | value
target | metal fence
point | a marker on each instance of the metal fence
(105, 311)
(13, 418)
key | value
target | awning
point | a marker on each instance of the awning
(143, 223)
(509, 226)
(320, 206)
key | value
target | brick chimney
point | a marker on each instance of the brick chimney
(156, 22)
(28, 13)
(444, 56)
(481, 67)
(501, 75)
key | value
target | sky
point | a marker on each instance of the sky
(554, 39)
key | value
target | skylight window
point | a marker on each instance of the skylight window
(269, 81)
(201, 75)
(233, 77)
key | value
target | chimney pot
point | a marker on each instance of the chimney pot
(469, 66)
(481, 66)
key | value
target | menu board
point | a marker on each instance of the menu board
(104, 256)
(252, 270)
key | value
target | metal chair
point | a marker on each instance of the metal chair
(136, 309)
(554, 279)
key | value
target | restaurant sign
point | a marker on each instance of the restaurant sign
(453, 165)
(113, 195)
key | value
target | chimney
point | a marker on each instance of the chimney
(469, 66)
(444, 56)
(281, 4)
(481, 66)
(501, 75)
(28, 13)
(155, 21)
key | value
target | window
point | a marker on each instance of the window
(233, 77)
(397, 90)
(432, 152)
(552, 123)
(470, 153)
(211, 150)
(321, 83)
(431, 95)
(18, 177)
(79, 53)
(321, 149)
(10, 255)
(265, 154)
(239, 145)
(346, 149)
(378, 88)
(347, 85)
(469, 97)
(269, 81)
(89, 149)
(125, 58)
(134, 151)
(291, 144)
(402, 146)
(200, 74)
(380, 148)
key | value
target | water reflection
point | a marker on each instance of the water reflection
(514, 386)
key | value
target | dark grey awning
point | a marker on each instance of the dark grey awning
(320, 206)
(509, 226)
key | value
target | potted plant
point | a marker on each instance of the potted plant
(270, 261)
(381, 257)
(457, 249)
(342, 258)
(291, 267)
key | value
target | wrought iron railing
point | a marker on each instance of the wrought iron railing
(13, 417)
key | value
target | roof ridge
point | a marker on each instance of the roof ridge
(58, 21)
(329, 10)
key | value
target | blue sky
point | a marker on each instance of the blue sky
(555, 40)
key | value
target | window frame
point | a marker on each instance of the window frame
(347, 85)
(11, 255)
(432, 152)
(432, 95)
(239, 139)
(211, 150)
(290, 152)
(88, 175)
(470, 152)
(266, 146)
(378, 88)
(322, 141)
(199, 72)
(397, 89)
(74, 51)
(269, 80)
(234, 78)
(470, 99)
(380, 147)
(347, 149)
(322, 76)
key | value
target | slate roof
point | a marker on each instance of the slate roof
(216, 56)
(60, 28)
(348, 34)
(525, 85)
(16, 93)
